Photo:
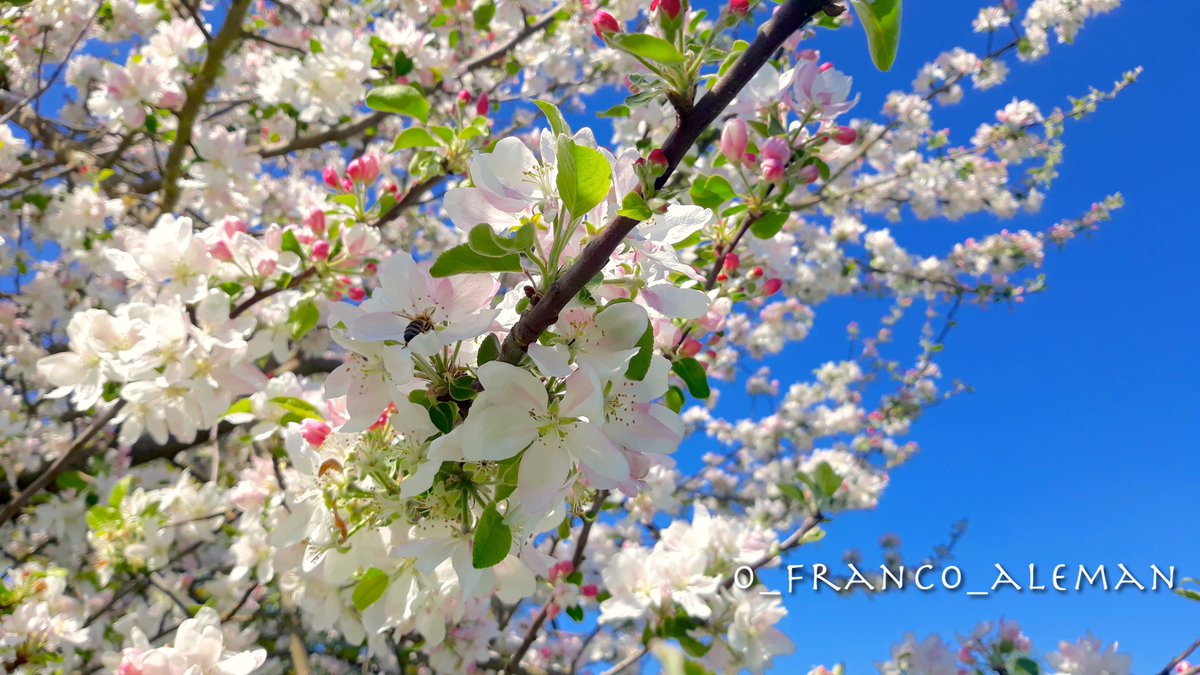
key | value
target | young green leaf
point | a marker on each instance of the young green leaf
(634, 206)
(769, 224)
(880, 20)
(692, 373)
(400, 99)
(648, 47)
(558, 124)
(462, 259)
(639, 365)
(304, 318)
(584, 177)
(414, 137)
(493, 539)
(489, 350)
(369, 588)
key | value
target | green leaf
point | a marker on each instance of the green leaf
(119, 491)
(692, 373)
(692, 646)
(575, 612)
(584, 177)
(1028, 665)
(484, 240)
(827, 479)
(674, 399)
(493, 539)
(402, 64)
(489, 350)
(619, 110)
(558, 124)
(711, 192)
(304, 318)
(369, 588)
(880, 20)
(462, 259)
(289, 243)
(792, 492)
(414, 137)
(769, 224)
(242, 407)
(102, 517)
(648, 47)
(1188, 593)
(634, 206)
(442, 416)
(401, 99)
(462, 388)
(71, 480)
(639, 365)
(482, 15)
(299, 407)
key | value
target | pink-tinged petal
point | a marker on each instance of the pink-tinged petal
(467, 207)
(515, 386)
(675, 302)
(543, 475)
(553, 360)
(621, 325)
(497, 432)
(377, 326)
(583, 397)
(640, 430)
(64, 370)
(597, 452)
(466, 294)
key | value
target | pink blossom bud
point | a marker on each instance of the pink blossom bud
(731, 262)
(552, 610)
(234, 225)
(357, 294)
(772, 170)
(605, 24)
(809, 173)
(722, 277)
(734, 139)
(315, 220)
(658, 158)
(464, 97)
(482, 106)
(845, 135)
(776, 149)
(330, 177)
(590, 591)
(772, 286)
(347, 185)
(690, 347)
(320, 250)
(315, 432)
(756, 273)
(739, 7)
(220, 251)
(671, 8)
(265, 267)
(365, 169)
(826, 66)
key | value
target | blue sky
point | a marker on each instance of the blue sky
(1078, 443)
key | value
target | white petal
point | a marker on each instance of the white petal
(467, 207)
(552, 360)
(592, 448)
(63, 370)
(497, 432)
(517, 385)
(675, 302)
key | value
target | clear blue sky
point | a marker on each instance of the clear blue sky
(1078, 445)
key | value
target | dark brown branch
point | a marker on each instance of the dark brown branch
(790, 18)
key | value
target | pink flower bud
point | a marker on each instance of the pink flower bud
(809, 173)
(552, 610)
(731, 262)
(482, 106)
(671, 8)
(845, 135)
(220, 251)
(658, 158)
(365, 169)
(772, 170)
(464, 97)
(234, 225)
(590, 591)
(357, 294)
(315, 220)
(734, 139)
(722, 277)
(776, 149)
(605, 24)
(320, 250)
(347, 185)
(690, 347)
(739, 7)
(266, 267)
(772, 286)
(315, 432)
(826, 66)
(330, 177)
(756, 273)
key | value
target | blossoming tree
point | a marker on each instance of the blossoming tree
(329, 344)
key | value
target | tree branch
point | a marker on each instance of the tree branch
(197, 92)
(788, 19)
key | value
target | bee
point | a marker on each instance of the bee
(418, 325)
